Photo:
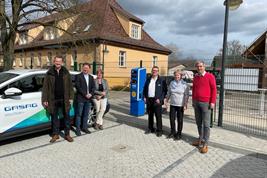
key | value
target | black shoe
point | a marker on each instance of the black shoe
(149, 131)
(170, 136)
(159, 134)
(78, 133)
(177, 137)
(86, 131)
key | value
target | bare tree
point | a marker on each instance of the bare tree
(176, 52)
(234, 48)
(15, 14)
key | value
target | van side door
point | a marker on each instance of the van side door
(26, 109)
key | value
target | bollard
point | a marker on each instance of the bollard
(211, 118)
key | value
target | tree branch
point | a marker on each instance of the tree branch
(37, 10)
(6, 18)
(33, 3)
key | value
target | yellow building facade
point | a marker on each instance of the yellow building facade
(114, 39)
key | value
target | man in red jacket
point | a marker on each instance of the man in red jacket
(204, 98)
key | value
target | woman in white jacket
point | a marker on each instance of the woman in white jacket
(177, 96)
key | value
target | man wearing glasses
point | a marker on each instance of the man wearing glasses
(155, 90)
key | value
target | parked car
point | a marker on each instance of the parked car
(21, 109)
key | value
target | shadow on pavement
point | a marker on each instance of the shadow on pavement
(245, 166)
(24, 137)
(39, 146)
(133, 121)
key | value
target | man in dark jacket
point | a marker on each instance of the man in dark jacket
(155, 90)
(58, 94)
(85, 87)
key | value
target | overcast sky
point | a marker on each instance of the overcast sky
(196, 26)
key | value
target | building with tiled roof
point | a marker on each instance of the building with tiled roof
(257, 53)
(254, 57)
(98, 31)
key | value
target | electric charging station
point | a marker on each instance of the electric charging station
(138, 79)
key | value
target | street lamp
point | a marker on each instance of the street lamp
(232, 5)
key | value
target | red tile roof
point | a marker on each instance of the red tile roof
(100, 14)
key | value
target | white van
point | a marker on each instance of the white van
(21, 110)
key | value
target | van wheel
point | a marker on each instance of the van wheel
(91, 119)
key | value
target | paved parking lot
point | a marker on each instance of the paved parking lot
(123, 150)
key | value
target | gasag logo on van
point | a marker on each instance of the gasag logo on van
(20, 107)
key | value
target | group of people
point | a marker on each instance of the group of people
(58, 94)
(156, 93)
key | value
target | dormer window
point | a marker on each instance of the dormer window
(136, 31)
(76, 30)
(86, 29)
(23, 38)
(50, 33)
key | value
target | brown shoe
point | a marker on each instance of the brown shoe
(100, 127)
(204, 149)
(96, 127)
(196, 143)
(68, 138)
(54, 138)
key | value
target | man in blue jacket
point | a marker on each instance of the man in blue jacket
(155, 90)
(85, 87)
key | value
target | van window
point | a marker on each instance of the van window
(29, 84)
(6, 76)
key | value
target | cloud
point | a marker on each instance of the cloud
(186, 21)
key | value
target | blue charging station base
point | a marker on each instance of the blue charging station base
(137, 108)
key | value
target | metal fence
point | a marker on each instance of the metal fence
(245, 112)
(244, 104)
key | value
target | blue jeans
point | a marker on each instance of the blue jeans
(202, 115)
(83, 109)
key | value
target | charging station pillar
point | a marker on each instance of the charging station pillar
(138, 79)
